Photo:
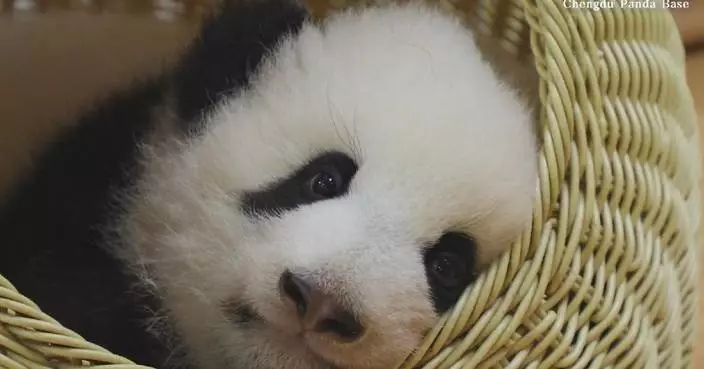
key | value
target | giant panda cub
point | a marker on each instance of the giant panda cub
(291, 194)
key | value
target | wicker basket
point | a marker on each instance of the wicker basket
(606, 276)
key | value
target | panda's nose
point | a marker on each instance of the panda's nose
(318, 310)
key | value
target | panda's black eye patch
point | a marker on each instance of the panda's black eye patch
(326, 176)
(450, 266)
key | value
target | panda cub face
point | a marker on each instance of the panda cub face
(330, 212)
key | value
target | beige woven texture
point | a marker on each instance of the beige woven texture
(606, 276)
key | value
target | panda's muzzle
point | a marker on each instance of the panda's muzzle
(318, 311)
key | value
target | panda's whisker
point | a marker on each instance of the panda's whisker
(347, 139)
(356, 144)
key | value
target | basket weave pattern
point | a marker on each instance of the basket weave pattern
(606, 276)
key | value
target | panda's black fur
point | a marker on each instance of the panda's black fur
(228, 51)
(52, 221)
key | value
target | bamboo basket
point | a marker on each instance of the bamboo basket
(606, 276)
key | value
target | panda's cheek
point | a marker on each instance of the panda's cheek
(397, 297)
(255, 274)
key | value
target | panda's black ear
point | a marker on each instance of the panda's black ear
(228, 49)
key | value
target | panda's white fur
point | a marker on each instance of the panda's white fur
(441, 143)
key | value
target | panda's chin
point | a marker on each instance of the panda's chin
(296, 337)
(283, 338)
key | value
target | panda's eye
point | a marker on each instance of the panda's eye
(325, 184)
(323, 177)
(450, 267)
